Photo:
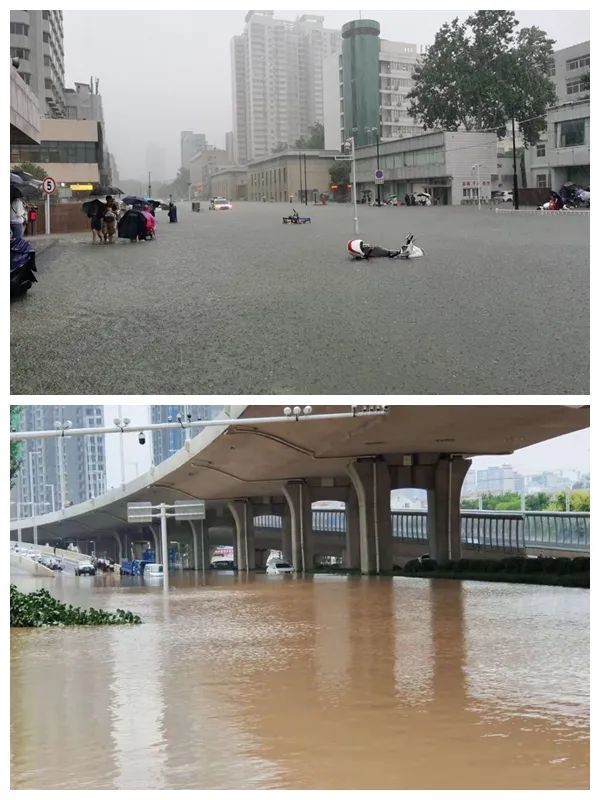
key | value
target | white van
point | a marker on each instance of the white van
(153, 571)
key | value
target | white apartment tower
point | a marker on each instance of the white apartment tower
(36, 39)
(277, 76)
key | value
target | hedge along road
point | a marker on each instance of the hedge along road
(235, 302)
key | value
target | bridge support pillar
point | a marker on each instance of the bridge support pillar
(119, 547)
(200, 545)
(371, 481)
(286, 535)
(352, 544)
(241, 511)
(443, 503)
(298, 498)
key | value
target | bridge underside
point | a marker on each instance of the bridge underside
(282, 469)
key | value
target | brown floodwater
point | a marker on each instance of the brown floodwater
(326, 682)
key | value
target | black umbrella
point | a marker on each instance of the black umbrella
(132, 200)
(14, 178)
(90, 206)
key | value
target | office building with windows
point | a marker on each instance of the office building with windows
(191, 144)
(366, 85)
(37, 40)
(563, 151)
(59, 472)
(277, 81)
(167, 442)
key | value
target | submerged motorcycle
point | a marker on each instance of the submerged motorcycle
(361, 250)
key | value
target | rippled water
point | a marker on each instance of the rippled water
(326, 682)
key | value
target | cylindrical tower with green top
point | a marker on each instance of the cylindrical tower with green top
(360, 69)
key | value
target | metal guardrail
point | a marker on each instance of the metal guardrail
(509, 531)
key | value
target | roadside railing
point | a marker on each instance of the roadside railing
(508, 531)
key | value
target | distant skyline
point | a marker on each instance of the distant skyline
(184, 56)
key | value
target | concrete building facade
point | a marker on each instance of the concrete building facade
(56, 473)
(191, 144)
(277, 81)
(230, 183)
(441, 163)
(279, 176)
(36, 39)
(71, 151)
(366, 85)
(203, 166)
(24, 111)
(563, 151)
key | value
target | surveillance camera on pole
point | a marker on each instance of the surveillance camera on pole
(142, 437)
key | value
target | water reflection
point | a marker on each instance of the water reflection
(324, 682)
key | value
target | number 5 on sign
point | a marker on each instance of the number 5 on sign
(49, 187)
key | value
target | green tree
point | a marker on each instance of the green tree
(579, 501)
(339, 172)
(480, 73)
(35, 170)
(15, 447)
(540, 501)
(315, 140)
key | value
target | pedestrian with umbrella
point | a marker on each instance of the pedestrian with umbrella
(18, 214)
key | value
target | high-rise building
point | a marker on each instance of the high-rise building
(61, 471)
(229, 148)
(277, 81)
(166, 443)
(191, 144)
(365, 87)
(36, 39)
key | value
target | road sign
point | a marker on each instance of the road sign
(49, 185)
(139, 512)
(190, 509)
(379, 176)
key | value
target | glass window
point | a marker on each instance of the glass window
(541, 181)
(540, 150)
(570, 133)
(45, 37)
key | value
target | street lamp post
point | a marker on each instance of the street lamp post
(515, 181)
(477, 167)
(350, 143)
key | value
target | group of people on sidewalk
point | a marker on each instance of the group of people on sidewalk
(23, 216)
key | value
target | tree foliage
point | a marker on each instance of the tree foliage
(179, 188)
(339, 172)
(15, 447)
(480, 73)
(315, 139)
(538, 501)
(35, 170)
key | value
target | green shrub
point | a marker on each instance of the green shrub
(39, 609)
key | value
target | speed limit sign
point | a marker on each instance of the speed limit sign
(49, 185)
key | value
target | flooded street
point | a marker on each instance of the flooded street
(325, 682)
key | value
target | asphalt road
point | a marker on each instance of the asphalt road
(235, 302)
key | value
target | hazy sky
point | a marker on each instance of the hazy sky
(570, 452)
(162, 72)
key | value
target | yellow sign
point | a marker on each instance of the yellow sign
(81, 187)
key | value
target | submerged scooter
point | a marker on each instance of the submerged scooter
(361, 250)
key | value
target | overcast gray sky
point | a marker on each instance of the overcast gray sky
(162, 72)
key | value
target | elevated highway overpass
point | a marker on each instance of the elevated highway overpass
(281, 468)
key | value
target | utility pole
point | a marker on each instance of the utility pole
(305, 183)
(149, 185)
(300, 168)
(515, 181)
(378, 185)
